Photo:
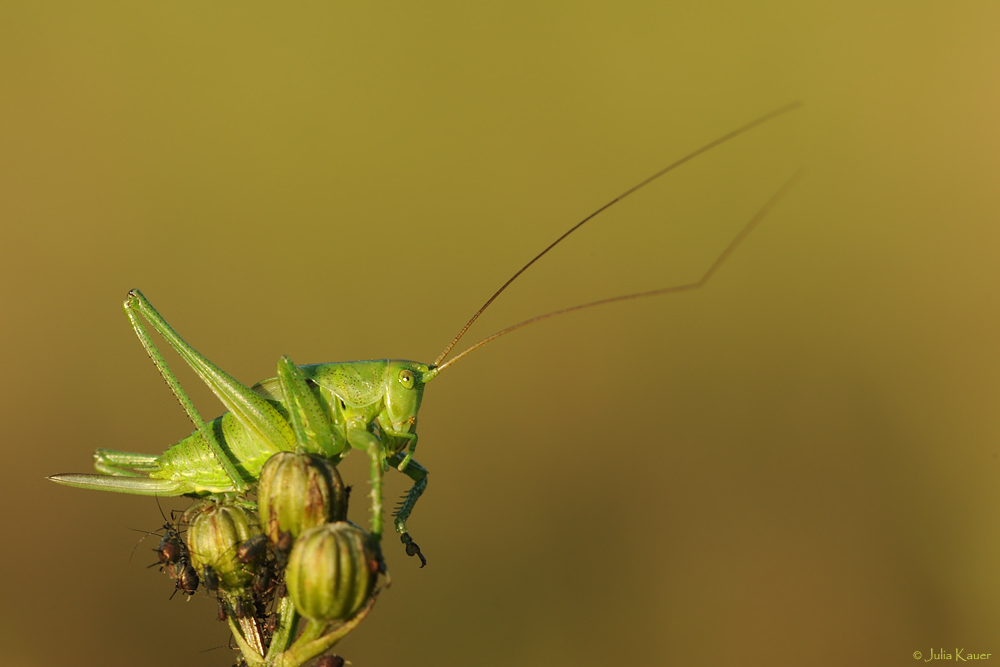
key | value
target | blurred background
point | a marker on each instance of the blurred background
(796, 464)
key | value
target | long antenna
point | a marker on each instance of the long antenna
(771, 203)
(735, 133)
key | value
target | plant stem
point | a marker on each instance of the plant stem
(312, 642)
(285, 631)
(253, 657)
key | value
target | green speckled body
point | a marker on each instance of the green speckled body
(191, 462)
(350, 394)
(324, 409)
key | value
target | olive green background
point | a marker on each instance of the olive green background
(795, 465)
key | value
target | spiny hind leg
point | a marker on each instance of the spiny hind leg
(418, 474)
(138, 307)
(124, 464)
(253, 411)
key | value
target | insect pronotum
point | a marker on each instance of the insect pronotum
(325, 409)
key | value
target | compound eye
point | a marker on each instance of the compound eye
(406, 379)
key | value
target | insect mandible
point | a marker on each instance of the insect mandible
(327, 409)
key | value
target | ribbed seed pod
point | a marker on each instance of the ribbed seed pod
(331, 571)
(297, 492)
(216, 532)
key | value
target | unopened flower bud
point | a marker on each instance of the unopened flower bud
(298, 492)
(214, 537)
(331, 571)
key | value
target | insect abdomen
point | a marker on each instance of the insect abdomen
(190, 460)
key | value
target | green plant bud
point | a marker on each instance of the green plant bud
(215, 534)
(331, 571)
(298, 492)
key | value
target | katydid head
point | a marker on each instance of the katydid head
(404, 389)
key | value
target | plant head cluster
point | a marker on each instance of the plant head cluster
(290, 557)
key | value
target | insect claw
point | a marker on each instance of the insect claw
(411, 548)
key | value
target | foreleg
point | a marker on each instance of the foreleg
(359, 438)
(418, 474)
